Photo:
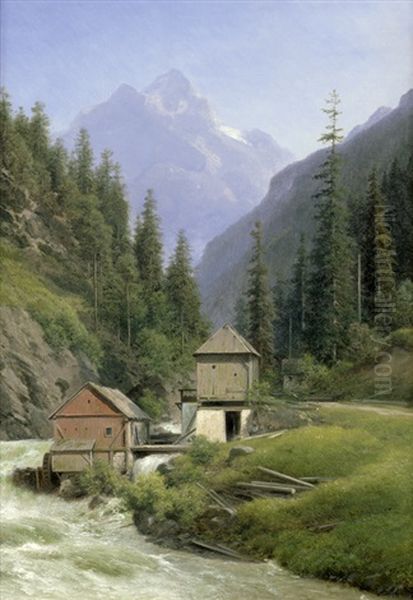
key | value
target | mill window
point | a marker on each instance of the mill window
(108, 432)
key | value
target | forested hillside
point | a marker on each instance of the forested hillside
(70, 266)
(287, 211)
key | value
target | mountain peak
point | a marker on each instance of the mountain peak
(125, 92)
(377, 116)
(407, 99)
(172, 82)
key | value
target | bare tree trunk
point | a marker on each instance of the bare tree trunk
(290, 337)
(95, 289)
(359, 287)
(128, 323)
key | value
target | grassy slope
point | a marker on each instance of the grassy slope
(56, 311)
(371, 459)
(369, 501)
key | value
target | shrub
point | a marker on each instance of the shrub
(101, 478)
(148, 494)
(152, 404)
(404, 305)
(203, 451)
(361, 348)
(403, 338)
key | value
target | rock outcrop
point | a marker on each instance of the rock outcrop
(33, 378)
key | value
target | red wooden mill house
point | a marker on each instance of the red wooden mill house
(96, 423)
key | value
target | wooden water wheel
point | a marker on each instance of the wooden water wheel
(47, 473)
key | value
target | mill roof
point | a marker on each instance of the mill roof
(226, 340)
(115, 398)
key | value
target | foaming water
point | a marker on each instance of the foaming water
(150, 463)
(58, 550)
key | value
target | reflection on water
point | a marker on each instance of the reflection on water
(53, 549)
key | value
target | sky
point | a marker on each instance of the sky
(267, 65)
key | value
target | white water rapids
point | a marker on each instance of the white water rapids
(54, 549)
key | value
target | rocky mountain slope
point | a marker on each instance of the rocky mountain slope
(205, 175)
(287, 209)
(34, 379)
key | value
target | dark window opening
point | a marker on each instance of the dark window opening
(108, 432)
(235, 374)
(232, 424)
(213, 366)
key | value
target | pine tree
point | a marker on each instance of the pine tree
(298, 297)
(82, 163)
(241, 314)
(384, 258)
(400, 217)
(112, 201)
(331, 290)
(16, 161)
(39, 133)
(260, 307)
(282, 319)
(148, 247)
(183, 295)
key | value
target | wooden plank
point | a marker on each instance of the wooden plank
(161, 448)
(253, 486)
(285, 477)
(280, 486)
(316, 479)
(183, 437)
(212, 494)
(219, 549)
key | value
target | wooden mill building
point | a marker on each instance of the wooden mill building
(227, 367)
(96, 423)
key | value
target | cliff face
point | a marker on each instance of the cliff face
(34, 379)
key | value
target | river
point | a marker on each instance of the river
(54, 549)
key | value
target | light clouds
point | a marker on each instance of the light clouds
(262, 64)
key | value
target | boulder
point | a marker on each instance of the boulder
(237, 451)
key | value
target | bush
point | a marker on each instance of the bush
(203, 451)
(101, 478)
(152, 404)
(403, 338)
(361, 348)
(148, 494)
(404, 305)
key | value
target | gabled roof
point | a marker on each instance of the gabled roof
(115, 398)
(226, 341)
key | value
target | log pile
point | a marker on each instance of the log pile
(275, 485)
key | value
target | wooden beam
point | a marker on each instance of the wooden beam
(285, 477)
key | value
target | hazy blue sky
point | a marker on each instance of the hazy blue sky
(261, 64)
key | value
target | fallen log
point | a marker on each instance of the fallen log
(277, 434)
(285, 477)
(266, 486)
(220, 549)
(281, 486)
(217, 499)
(326, 527)
(316, 479)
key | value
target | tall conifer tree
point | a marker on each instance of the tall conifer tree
(260, 307)
(298, 297)
(82, 164)
(330, 295)
(148, 247)
(183, 295)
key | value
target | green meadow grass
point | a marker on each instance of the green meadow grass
(57, 313)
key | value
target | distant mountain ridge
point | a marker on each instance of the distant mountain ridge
(287, 209)
(205, 174)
